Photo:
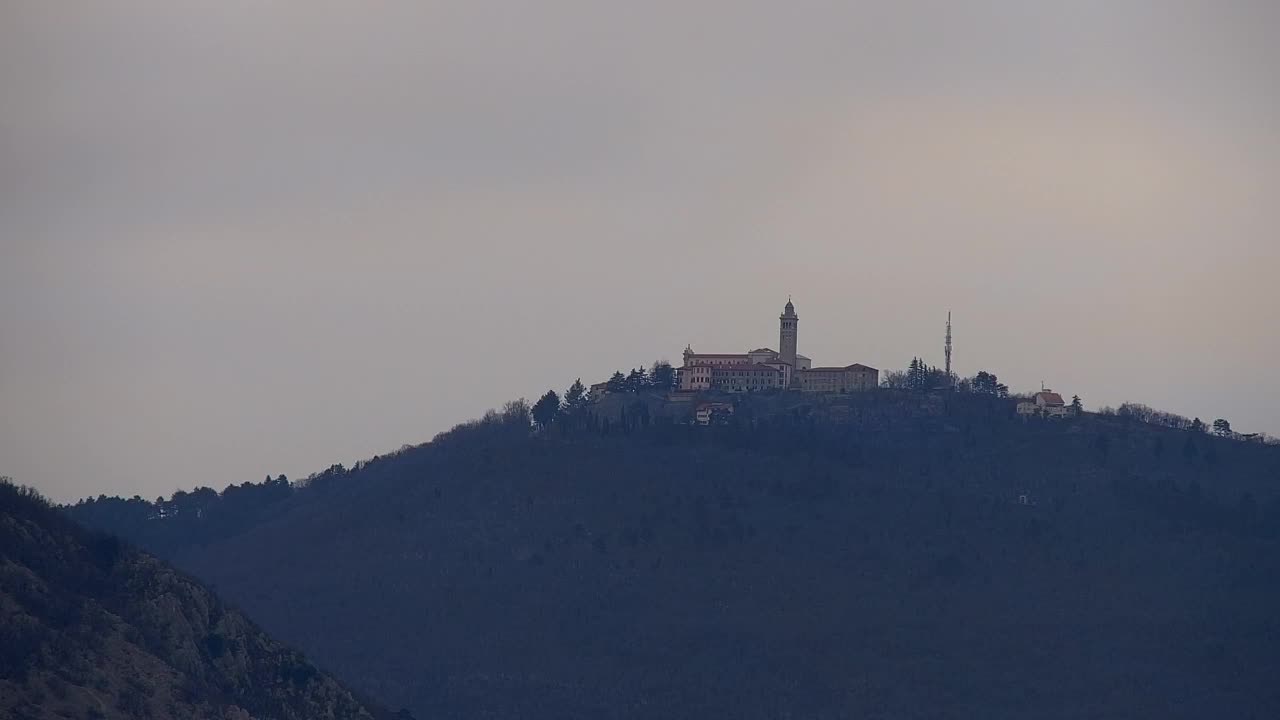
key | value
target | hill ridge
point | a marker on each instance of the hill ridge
(783, 563)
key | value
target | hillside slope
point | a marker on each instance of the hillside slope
(947, 563)
(93, 629)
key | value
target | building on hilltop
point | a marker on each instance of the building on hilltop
(839, 379)
(733, 376)
(765, 368)
(1045, 403)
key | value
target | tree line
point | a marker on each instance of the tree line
(660, 376)
(1150, 416)
(920, 376)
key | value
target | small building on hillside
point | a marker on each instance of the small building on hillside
(1045, 403)
(712, 413)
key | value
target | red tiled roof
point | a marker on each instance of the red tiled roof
(1050, 398)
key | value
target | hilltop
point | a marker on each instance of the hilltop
(95, 629)
(880, 554)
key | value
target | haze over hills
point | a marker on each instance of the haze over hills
(94, 629)
(239, 238)
(877, 554)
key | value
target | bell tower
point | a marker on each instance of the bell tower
(788, 327)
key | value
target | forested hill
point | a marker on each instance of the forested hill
(877, 556)
(93, 629)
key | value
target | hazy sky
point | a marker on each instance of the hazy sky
(241, 238)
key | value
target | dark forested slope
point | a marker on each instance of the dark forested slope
(883, 559)
(90, 628)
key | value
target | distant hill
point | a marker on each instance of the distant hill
(885, 555)
(93, 629)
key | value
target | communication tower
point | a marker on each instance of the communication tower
(950, 382)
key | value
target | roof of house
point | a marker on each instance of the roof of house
(832, 368)
(1050, 398)
(746, 366)
(720, 355)
(760, 350)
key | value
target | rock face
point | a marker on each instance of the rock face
(90, 628)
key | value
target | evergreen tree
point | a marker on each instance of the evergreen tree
(1076, 406)
(575, 398)
(662, 376)
(574, 407)
(914, 374)
(988, 384)
(638, 380)
(934, 377)
(546, 409)
(617, 383)
(1222, 428)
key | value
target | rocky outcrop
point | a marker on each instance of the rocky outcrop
(90, 628)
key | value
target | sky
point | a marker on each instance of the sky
(246, 238)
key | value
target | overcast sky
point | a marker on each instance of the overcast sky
(241, 238)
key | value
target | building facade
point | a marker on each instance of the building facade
(695, 377)
(745, 377)
(850, 378)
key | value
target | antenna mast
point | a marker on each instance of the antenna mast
(948, 350)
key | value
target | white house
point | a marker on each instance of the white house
(1045, 403)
